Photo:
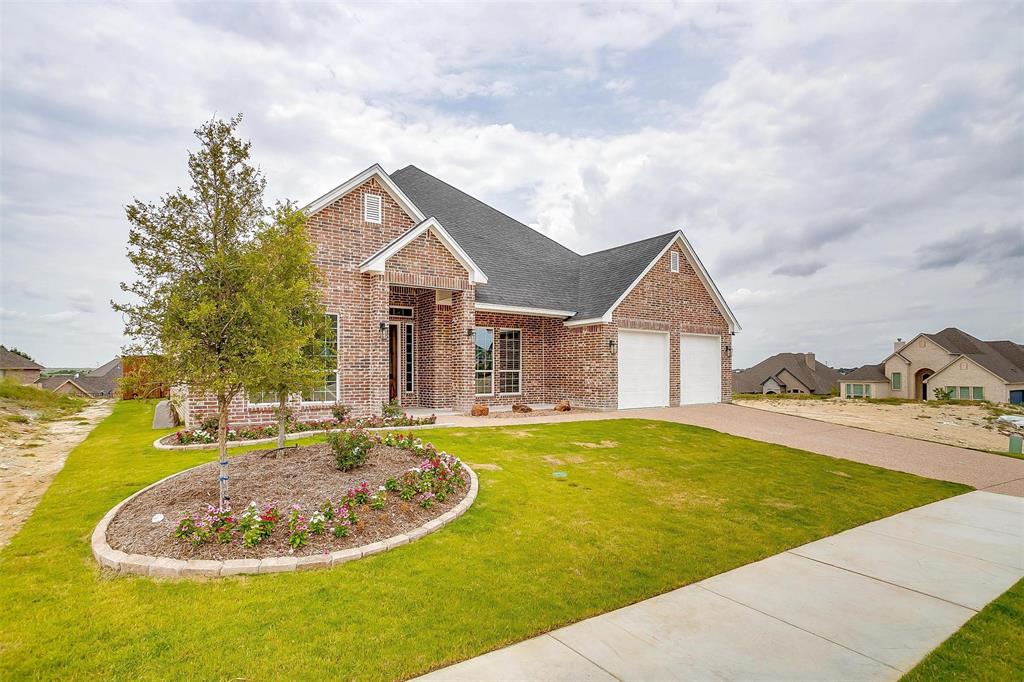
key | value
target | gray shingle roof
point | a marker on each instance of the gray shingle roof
(523, 267)
(1005, 359)
(9, 360)
(821, 380)
(867, 373)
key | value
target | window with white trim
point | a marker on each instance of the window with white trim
(373, 208)
(262, 397)
(858, 390)
(675, 261)
(326, 348)
(483, 339)
(510, 367)
(408, 358)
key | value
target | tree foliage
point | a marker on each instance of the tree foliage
(292, 316)
(201, 306)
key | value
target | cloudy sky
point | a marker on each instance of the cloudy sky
(847, 173)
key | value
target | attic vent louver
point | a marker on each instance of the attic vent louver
(372, 208)
(675, 261)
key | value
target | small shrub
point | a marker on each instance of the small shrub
(341, 412)
(392, 410)
(351, 448)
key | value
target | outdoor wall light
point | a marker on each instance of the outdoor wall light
(382, 328)
(611, 344)
(470, 332)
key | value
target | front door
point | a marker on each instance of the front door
(392, 362)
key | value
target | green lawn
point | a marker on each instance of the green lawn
(654, 506)
(989, 647)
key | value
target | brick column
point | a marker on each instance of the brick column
(377, 355)
(462, 354)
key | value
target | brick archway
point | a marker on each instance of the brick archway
(921, 378)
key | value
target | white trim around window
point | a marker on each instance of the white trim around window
(517, 359)
(409, 368)
(674, 261)
(328, 371)
(479, 370)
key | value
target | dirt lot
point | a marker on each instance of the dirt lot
(31, 454)
(969, 426)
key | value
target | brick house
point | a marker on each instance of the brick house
(439, 301)
(17, 368)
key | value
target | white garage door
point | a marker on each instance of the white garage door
(700, 369)
(643, 369)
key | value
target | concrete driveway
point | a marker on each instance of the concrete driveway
(866, 604)
(933, 460)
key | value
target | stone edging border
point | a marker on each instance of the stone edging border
(288, 436)
(166, 567)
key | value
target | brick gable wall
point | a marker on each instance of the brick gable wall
(679, 303)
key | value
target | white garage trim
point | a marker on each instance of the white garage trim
(643, 363)
(700, 369)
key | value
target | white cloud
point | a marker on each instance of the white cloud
(843, 136)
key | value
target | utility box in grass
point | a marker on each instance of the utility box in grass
(1016, 444)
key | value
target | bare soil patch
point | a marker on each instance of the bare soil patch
(31, 454)
(970, 426)
(305, 475)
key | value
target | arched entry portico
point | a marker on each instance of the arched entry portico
(921, 377)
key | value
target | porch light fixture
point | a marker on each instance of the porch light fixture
(611, 344)
(470, 332)
(382, 328)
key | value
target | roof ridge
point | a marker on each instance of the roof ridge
(638, 241)
(484, 203)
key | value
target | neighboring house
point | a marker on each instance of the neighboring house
(437, 300)
(951, 360)
(17, 368)
(99, 383)
(787, 373)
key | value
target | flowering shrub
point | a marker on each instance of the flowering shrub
(298, 528)
(351, 448)
(256, 524)
(215, 523)
(207, 431)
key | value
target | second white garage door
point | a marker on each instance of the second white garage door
(643, 369)
(700, 369)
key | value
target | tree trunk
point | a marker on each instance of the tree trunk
(222, 445)
(282, 396)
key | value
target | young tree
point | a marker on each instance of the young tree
(197, 255)
(292, 314)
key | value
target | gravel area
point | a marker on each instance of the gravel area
(295, 475)
(969, 426)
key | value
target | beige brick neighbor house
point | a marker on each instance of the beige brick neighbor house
(958, 364)
(17, 368)
(439, 301)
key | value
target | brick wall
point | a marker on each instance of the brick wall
(679, 303)
(582, 367)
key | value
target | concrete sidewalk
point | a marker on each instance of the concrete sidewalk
(866, 604)
(932, 460)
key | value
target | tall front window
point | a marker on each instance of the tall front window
(408, 358)
(326, 348)
(510, 368)
(484, 365)
(897, 381)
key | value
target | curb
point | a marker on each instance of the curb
(289, 436)
(166, 567)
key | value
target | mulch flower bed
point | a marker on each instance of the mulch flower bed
(289, 490)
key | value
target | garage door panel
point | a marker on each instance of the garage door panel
(643, 369)
(700, 369)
